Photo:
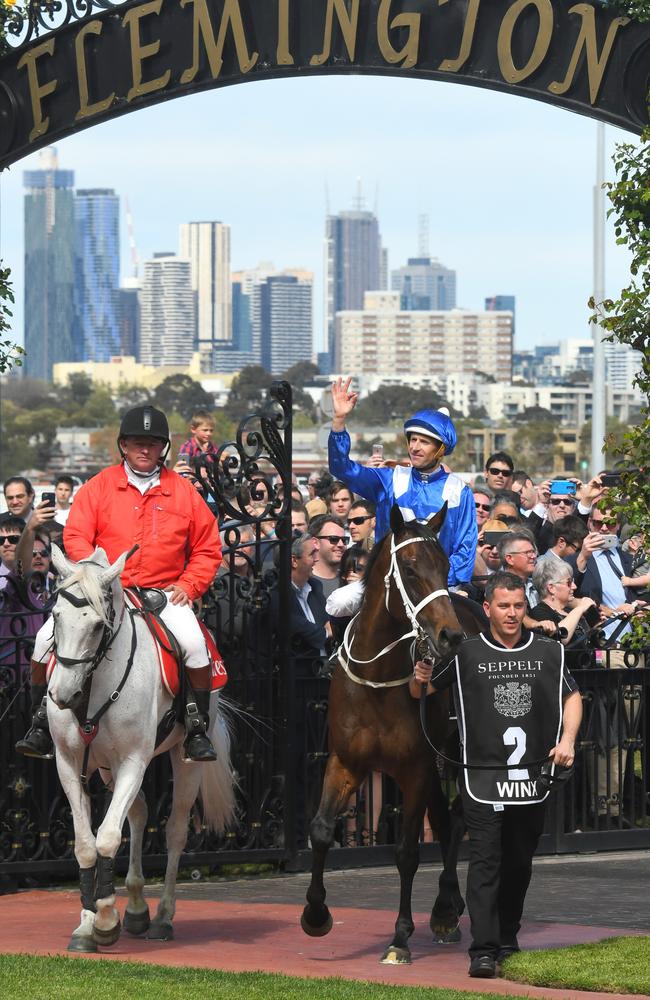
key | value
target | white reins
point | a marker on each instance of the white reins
(412, 612)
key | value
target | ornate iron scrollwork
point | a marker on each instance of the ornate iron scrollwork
(25, 22)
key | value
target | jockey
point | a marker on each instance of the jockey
(420, 489)
(140, 501)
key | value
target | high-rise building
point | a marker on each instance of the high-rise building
(97, 274)
(207, 246)
(354, 264)
(502, 303)
(129, 317)
(167, 311)
(382, 339)
(425, 283)
(282, 319)
(49, 266)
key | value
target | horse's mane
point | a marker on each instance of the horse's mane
(88, 582)
(418, 528)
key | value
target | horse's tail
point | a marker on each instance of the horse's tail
(218, 781)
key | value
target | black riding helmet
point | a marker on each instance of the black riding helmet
(145, 421)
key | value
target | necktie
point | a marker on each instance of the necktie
(610, 559)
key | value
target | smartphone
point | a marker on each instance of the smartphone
(378, 450)
(49, 499)
(611, 479)
(493, 538)
(608, 542)
(592, 616)
(563, 486)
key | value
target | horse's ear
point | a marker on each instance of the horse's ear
(101, 557)
(63, 566)
(436, 521)
(396, 518)
(115, 570)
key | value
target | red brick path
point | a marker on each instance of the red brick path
(267, 937)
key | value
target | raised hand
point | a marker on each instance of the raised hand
(344, 401)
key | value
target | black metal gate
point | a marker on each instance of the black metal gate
(279, 706)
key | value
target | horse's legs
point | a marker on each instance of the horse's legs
(187, 780)
(414, 791)
(84, 848)
(136, 915)
(129, 777)
(449, 903)
(338, 785)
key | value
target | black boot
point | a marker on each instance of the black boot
(198, 745)
(38, 742)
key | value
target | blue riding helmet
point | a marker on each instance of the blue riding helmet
(435, 424)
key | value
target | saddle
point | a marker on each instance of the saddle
(148, 603)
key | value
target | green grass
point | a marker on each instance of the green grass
(615, 965)
(26, 977)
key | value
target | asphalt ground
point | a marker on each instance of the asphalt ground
(611, 889)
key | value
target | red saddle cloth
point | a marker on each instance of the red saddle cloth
(169, 667)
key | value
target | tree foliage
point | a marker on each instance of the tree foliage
(182, 394)
(393, 404)
(10, 353)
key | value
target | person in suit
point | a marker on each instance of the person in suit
(310, 627)
(604, 573)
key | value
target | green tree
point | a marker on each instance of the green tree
(10, 353)
(392, 404)
(301, 373)
(535, 445)
(182, 394)
(248, 391)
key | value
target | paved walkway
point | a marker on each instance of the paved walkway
(253, 924)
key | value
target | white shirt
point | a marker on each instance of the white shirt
(302, 594)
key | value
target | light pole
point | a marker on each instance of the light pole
(598, 389)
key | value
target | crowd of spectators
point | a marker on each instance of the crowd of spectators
(583, 569)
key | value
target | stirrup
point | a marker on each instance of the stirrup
(198, 745)
(36, 743)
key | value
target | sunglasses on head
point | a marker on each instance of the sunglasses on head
(335, 539)
(494, 471)
(360, 519)
(556, 501)
(11, 539)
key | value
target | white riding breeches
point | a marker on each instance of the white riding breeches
(179, 619)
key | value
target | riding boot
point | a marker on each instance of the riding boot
(198, 745)
(37, 742)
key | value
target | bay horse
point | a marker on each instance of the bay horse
(374, 722)
(106, 665)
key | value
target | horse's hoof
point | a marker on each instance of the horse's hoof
(396, 956)
(312, 930)
(137, 923)
(108, 937)
(82, 944)
(161, 930)
(443, 936)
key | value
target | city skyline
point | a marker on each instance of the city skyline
(507, 184)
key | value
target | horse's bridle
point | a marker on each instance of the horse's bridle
(412, 611)
(108, 635)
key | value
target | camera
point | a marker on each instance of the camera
(493, 538)
(563, 486)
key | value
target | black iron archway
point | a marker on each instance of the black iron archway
(70, 64)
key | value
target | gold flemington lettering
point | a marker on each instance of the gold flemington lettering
(348, 24)
(231, 17)
(408, 54)
(37, 90)
(510, 72)
(283, 56)
(86, 109)
(140, 52)
(454, 65)
(596, 65)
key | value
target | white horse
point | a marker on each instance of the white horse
(107, 670)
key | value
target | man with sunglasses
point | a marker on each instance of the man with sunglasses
(499, 470)
(483, 501)
(329, 531)
(421, 488)
(361, 523)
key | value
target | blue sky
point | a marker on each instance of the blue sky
(507, 184)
